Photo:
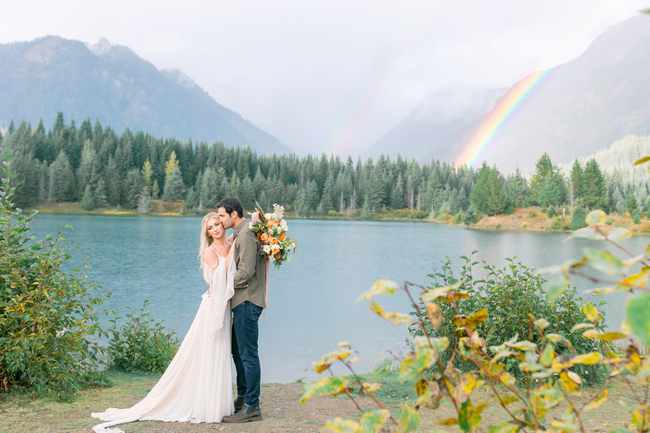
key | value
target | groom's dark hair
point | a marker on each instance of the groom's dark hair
(231, 204)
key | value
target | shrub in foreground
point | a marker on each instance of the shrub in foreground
(141, 343)
(508, 297)
(48, 317)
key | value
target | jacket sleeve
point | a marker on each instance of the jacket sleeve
(247, 253)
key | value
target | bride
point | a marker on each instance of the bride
(197, 385)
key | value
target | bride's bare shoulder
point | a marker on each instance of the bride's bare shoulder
(210, 257)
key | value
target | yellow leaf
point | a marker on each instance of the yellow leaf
(587, 358)
(596, 217)
(636, 280)
(507, 379)
(381, 287)
(574, 377)
(591, 311)
(395, 317)
(434, 313)
(433, 294)
(449, 421)
(602, 398)
(339, 425)
(568, 384)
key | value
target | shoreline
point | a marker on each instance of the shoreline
(531, 219)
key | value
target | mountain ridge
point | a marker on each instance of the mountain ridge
(113, 84)
(582, 106)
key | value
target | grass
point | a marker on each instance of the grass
(21, 414)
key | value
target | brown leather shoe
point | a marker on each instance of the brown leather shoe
(239, 403)
(247, 414)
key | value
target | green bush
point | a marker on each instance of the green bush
(636, 218)
(533, 214)
(608, 222)
(560, 223)
(48, 317)
(578, 219)
(510, 295)
(141, 344)
(551, 212)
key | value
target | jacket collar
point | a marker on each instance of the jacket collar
(239, 228)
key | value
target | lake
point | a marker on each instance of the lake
(311, 298)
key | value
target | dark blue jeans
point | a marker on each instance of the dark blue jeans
(244, 351)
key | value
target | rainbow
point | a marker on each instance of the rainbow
(516, 97)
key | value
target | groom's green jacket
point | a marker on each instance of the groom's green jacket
(250, 278)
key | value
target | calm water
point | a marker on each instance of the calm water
(310, 306)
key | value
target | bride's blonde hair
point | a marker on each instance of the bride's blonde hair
(206, 239)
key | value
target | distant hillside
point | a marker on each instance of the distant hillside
(112, 84)
(580, 107)
(437, 124)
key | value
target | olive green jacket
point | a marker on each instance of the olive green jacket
(250, 278)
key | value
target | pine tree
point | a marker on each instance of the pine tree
(247, 194)
(489, 195)
(87, 171)
(576, 180)
(174, 188)
(147, 173)
(144, 201)
(99, 195)
(549, 193)
(113, 183)
(578, 219)
(172, 163)
(131, 189)
(594, 187)
(87, 202)
(62, 178)
(155, 190)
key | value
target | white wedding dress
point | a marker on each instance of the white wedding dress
(197, 385)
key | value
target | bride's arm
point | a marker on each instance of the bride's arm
(211, 261)
(230, 253)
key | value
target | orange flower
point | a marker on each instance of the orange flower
(274, 241)
(277, 256)
(270, 223)
(264, 237)
(282, 236)
(259, 236)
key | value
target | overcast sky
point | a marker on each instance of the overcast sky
(330, 75)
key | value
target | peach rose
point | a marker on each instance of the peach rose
(264, 237)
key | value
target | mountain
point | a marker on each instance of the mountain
(580, 107)
(437, 123)
(112, 84)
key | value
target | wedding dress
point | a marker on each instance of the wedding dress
(197, 385)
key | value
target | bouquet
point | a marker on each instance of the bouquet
(271, 230)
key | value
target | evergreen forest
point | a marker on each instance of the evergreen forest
(101, 168)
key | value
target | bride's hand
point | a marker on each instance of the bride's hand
(232, 249)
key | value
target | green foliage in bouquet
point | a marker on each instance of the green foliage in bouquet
(507, 297)
(141, 343)
(48, 317)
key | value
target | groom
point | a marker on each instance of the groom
(247, 304)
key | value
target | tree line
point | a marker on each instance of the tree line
(100, 168)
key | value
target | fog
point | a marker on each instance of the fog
(330, 76)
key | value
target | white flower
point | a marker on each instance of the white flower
(267, 216)
(60, 333)
(283, 224)
(278, 211)
(266, 249)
